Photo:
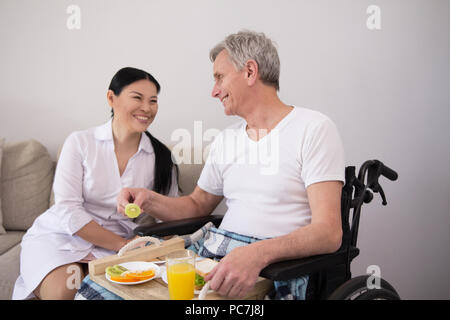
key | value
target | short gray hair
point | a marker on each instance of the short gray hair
(246, 45)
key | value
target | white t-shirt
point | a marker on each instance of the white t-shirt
(265, 182)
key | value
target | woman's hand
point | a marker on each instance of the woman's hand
(138, 196)
(101, 237)
(126, 241)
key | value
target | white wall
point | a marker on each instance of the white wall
(387, 91)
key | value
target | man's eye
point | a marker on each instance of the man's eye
(153, 101)
(137, 97)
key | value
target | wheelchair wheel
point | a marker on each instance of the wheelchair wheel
(356, 289)
(378, 294)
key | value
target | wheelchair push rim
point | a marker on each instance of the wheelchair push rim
(356, 289)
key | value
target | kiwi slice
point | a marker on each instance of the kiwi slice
(113, 272)
(120, 268)
(132, 210)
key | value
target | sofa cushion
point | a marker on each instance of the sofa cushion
(27, 177)
(2, 230)
(188, 177)
(9, 240)
(9, 271)
(189, 170)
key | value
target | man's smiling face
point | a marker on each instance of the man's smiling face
(229, 83)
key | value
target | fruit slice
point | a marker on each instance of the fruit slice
(120, 268)
(123, 279)
(132, 210)
(143, 275)
(121, 274)
(113, 272)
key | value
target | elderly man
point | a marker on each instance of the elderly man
(293, 209)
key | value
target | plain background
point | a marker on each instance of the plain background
(387, 91)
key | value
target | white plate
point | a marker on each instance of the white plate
(164, 278)
(137, 265)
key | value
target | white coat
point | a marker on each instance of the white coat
(87, 183)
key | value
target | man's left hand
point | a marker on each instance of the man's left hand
(237, 272)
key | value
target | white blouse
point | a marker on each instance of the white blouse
(87, 183)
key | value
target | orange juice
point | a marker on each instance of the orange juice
(181, 277)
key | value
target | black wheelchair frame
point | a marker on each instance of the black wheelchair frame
(329, 274)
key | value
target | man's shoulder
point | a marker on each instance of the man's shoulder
(308, 121)
(305, 124)
(308, 115)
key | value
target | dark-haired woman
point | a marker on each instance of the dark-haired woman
(94, 165)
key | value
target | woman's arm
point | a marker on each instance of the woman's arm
(68, 189)
(99, 236)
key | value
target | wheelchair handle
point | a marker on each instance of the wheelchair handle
(388, 172)
(374, 169)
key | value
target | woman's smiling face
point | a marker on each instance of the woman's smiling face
(136, 105)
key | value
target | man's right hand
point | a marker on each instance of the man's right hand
(138, 196)
(199, 203)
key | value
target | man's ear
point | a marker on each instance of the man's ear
(251, 72)
(110, 96)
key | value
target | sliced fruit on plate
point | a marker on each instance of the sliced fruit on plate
(142, 275)
(115, 271)
(123, 279)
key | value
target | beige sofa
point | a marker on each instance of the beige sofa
(26, 178)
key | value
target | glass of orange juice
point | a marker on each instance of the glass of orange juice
(181, 274)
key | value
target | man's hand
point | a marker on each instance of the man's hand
(237, 272)
(138, 196)
(198, 204)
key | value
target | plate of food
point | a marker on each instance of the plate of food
(202, 269)
(131, 273)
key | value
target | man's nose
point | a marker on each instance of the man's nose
(215, 91)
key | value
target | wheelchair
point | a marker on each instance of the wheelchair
(329, 274)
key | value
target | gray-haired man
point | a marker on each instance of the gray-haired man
(295, 209)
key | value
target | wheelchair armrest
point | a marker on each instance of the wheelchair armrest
(182, 226)
(290, 269)
(279, 271)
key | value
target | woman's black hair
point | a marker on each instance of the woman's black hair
(163, 157)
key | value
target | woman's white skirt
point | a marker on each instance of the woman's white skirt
(44, 249)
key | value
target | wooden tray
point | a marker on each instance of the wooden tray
(155, 289)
